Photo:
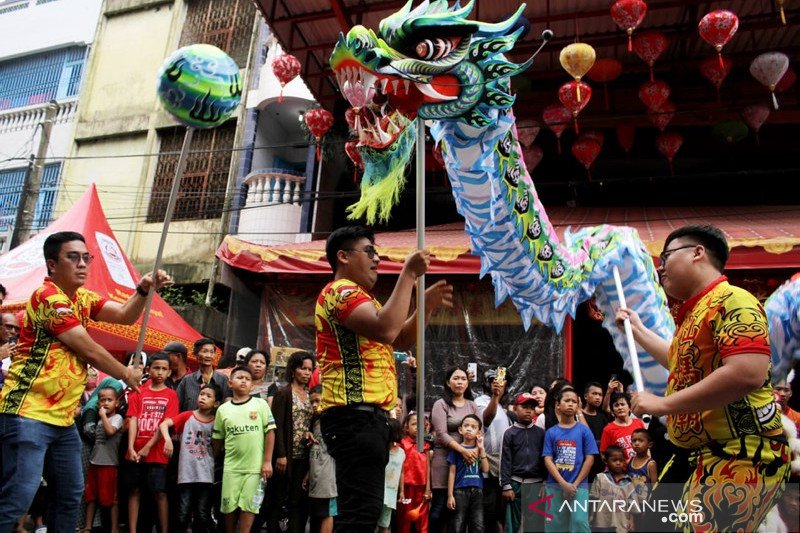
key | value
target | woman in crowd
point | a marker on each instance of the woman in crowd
(446, 415)
(292, 410)
(548, 418)
(539, 393)
(258, 361)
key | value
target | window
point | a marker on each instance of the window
(204, 181)
(39, 78)
(227, 25)
(11, 181)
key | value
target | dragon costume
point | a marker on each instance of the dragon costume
(433, 63)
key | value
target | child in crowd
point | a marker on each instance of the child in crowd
(642, 468)
(619, 430)
(416, 480)
(146, 467)
(101, 478)
(465, 480)
(568, 450)
(613, 491)
(245, 429)
(195, 460)
(321, 477)
(521, 461)
(393, 484)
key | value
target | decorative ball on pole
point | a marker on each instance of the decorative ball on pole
(200, 86)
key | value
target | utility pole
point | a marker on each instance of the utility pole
(26, 210)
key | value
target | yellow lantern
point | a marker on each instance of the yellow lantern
(577, 59)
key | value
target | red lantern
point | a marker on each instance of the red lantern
(527, 130)
(717, 28)
(557, 119)
(649, 46)
(605, 70)
(319, 121)
(532, 155)
(669, 143)
(628, 14)
(662, 116)
(574, 95)
(625, 136)
(286, 68)
(351, 149)
(713, 71)
(787, 81)
(585, 149)
(654, 93)
(594, 135)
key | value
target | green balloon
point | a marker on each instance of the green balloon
(200, 86)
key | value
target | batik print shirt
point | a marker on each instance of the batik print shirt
(721, 321)
(46, 378)
(354, 369)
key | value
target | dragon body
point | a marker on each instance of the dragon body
(433, 63)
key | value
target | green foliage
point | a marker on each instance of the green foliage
(177, 296)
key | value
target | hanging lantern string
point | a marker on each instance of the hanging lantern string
(578, 90)
(783, 15)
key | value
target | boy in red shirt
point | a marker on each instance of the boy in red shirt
(146, 465)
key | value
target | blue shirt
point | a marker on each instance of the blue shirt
(467, 475)
(568, 448)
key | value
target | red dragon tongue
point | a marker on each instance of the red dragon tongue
(407, 104)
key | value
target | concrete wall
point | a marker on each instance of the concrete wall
(44, 27)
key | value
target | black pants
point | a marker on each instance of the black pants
(491, 503)
(469, 510)
(286, 491)
(359, 443)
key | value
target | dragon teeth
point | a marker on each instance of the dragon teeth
(384, 84)
(406, 85)
(395, 83)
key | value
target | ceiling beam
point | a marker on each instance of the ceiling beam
(341, 15)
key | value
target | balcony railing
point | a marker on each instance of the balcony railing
(28, 117)
(274, 186)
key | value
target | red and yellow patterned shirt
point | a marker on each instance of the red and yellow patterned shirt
(354, 369)
(721, 321)
(46, 378)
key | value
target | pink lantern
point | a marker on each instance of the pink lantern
(769, 68)
(557, 118)
(668, 143)
(532, 155)
(575, 95)
(717, 28)
(286, 68)
(628, 14)
(357, 94)
(604, 71)
(319, 121)
(654, 93)
(527, 130)
(755, 116)
(662, 116)
(586, 150)
(626, 134)
(649, 46)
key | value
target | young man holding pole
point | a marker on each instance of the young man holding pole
(356, 339)
(47, 377)
(719, 403)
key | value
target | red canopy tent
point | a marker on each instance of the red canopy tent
(112, 276)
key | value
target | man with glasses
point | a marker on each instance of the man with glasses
(356, 340)
(719, 403)
(47, 377)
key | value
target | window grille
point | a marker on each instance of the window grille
(227, 25)
(39, 78)
(11, 181)
(204, 181)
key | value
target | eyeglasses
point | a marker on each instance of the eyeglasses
(666, 253)
(76, 257)
(369, 250)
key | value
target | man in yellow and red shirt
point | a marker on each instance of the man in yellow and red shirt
(356, 339)
(47, 377)
(719, 403)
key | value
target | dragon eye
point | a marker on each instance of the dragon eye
(434, 48)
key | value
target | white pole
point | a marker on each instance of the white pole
(637, 372)
(420, 286)
(173, 198)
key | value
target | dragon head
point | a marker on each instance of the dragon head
(429, 62)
